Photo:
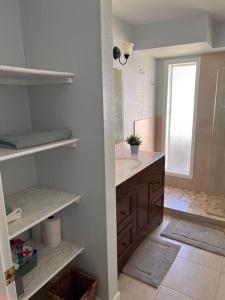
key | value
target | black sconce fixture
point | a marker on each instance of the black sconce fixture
(128, 47)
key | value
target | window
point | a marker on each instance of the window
(181, 118)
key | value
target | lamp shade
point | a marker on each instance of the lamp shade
(127, 48)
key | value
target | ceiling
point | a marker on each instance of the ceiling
(139, 12)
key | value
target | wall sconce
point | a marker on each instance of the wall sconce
(127, 50)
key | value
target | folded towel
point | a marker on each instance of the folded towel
(14, 215)
(31, 139)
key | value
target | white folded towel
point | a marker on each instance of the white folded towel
(14, 215)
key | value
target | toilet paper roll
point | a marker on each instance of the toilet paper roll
(37, 234)
(52, 231)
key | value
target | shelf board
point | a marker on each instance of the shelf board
(6, 154)
(50, 262)
(27, 76)
(37, 204)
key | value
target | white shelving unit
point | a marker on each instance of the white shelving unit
(27, 76)
(50, 262)
(37, 204)
(6, 154)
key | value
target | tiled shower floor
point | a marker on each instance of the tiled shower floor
(191, 204)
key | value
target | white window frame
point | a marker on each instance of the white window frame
(166, 107)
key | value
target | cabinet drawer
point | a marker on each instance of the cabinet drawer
(143, 209)
(125, 240)
(125, 210)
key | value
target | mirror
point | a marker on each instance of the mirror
(118, 105)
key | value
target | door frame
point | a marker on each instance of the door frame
(6, 292)
(167, 63)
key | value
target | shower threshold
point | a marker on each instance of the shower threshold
(198, 206)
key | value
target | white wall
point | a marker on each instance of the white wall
(72, 36)
(68, 35)
(107, 82)
(198, 32)
(219, 34)
(138, 88)
(186, 30)
(122, 32)
(14, 102)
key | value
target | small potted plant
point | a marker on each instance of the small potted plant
(134, 141)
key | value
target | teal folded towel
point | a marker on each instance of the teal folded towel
(31, 139)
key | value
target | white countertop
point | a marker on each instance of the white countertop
(142, 160)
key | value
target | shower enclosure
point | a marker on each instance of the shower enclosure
(216, 179)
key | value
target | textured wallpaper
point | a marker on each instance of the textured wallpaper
(138, 83)
(138, 90)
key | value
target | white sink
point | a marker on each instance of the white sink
(127, 163)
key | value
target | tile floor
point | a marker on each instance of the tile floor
(193, 204)
(195, 274)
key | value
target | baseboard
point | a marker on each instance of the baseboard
(116, 297)
(193, 216)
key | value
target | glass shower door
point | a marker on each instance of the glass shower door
(216, 183)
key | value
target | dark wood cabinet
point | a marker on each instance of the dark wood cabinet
(125, 210)
(140, 203)
(142, 208)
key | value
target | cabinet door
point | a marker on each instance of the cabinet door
(157, 192)
(157, 211)
(125, 245)
(142, 204)
(125, 210)
(6, 292)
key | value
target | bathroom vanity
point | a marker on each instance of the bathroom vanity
(140, 198)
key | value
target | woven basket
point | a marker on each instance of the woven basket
(73, 285)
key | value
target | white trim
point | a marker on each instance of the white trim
(180, 61)
(180, 175)
(37, 81)
(8, 292)
(6, 154)
(198, 61)
(165, 88)
(116, 297)
(27, 76)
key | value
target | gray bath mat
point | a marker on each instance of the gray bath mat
(202, 235)
(151, 261)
